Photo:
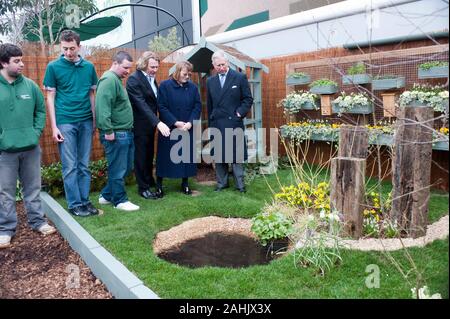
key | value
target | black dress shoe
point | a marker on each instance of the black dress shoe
(218, 188)
(159, 192)
(79, 211)
(186, 190)
(91, 209)
(148, 195)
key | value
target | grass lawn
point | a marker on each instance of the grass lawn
(129, 236)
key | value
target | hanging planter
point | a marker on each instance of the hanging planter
(298, 78)
(425, 96)
(299, 100)
(433, 69)
(384, 139)
(356, 79)
(356, 74)
(388, 83)
(355, 103)
(440, 145)
(323, 86)
(327, 137)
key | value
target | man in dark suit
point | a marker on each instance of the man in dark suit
(142, 90)
(229, 100)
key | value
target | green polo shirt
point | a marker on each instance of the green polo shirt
(72, 82)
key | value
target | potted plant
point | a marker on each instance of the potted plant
(433, 69)
(299, 100)
(298, 78)
(317, 130)
(357, 103)
(323, 86)
(425, 95)
(388, 82)
(381, 134)
(356, 74)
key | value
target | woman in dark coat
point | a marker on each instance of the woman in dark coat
(179, 106)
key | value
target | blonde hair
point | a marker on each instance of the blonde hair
(179, 66)
(142, 62)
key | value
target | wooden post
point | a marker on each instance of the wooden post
(353, 141)
(348, 178)
(412, 169)
(347, 192)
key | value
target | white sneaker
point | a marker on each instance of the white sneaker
(46, 229)
(5, 241)
(103, 201)
(127, 206)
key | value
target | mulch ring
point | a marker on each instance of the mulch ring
(38, 266)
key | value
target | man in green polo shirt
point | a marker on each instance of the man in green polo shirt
(70, 82)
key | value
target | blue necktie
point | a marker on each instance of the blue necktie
(222, 79)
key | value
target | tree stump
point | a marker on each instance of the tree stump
(348, 178)
(412, 169)
(353, 141)
(347, 192)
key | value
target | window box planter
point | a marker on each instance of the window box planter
(358, 109)
(324, 89)
(384, 139)
(440, 145)
(388, 84)
(356, 79)
(298, 80)
(309, 106)
(331, 137)
(434, 72)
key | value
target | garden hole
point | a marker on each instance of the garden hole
(214, 241)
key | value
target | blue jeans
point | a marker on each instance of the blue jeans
(75, 152)
(119, 154)
(25, 166)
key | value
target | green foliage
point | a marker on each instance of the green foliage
(322, 82)
(432, 64)
(358, 68)
(19, 194)
(297, 75)
(52, 181)
(386, 77)
(165, 44)
(269, 226)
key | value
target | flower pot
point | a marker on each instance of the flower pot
(358, 109)
(332, 137)
(298, 81)
(356, 79)
(384, 139)
(441, 145)
(309, 106)
(388, 84)
(324, 89)
(434, 72)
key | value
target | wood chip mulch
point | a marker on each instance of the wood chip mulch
(45, 267)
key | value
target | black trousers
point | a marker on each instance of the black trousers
(144, 147)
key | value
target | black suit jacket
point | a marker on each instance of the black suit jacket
(143, 102)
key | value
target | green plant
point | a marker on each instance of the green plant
(322, 82)
(294, 101)
(386, 77)
(297, 75)
(99, 174)
(432, 64)
(347, 102)
(271, 226)
(19, 194)
(52, 181)
(358, 68)
(433, 96)
(163, 44)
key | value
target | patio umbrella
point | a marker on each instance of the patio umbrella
(87, 30)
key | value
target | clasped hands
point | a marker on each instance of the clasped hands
(184, 126)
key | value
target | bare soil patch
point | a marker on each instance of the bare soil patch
(38, 266)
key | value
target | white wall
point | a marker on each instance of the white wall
(327, 27)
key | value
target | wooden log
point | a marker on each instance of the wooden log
(347, 192)
(353, 141)
(412, 169)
